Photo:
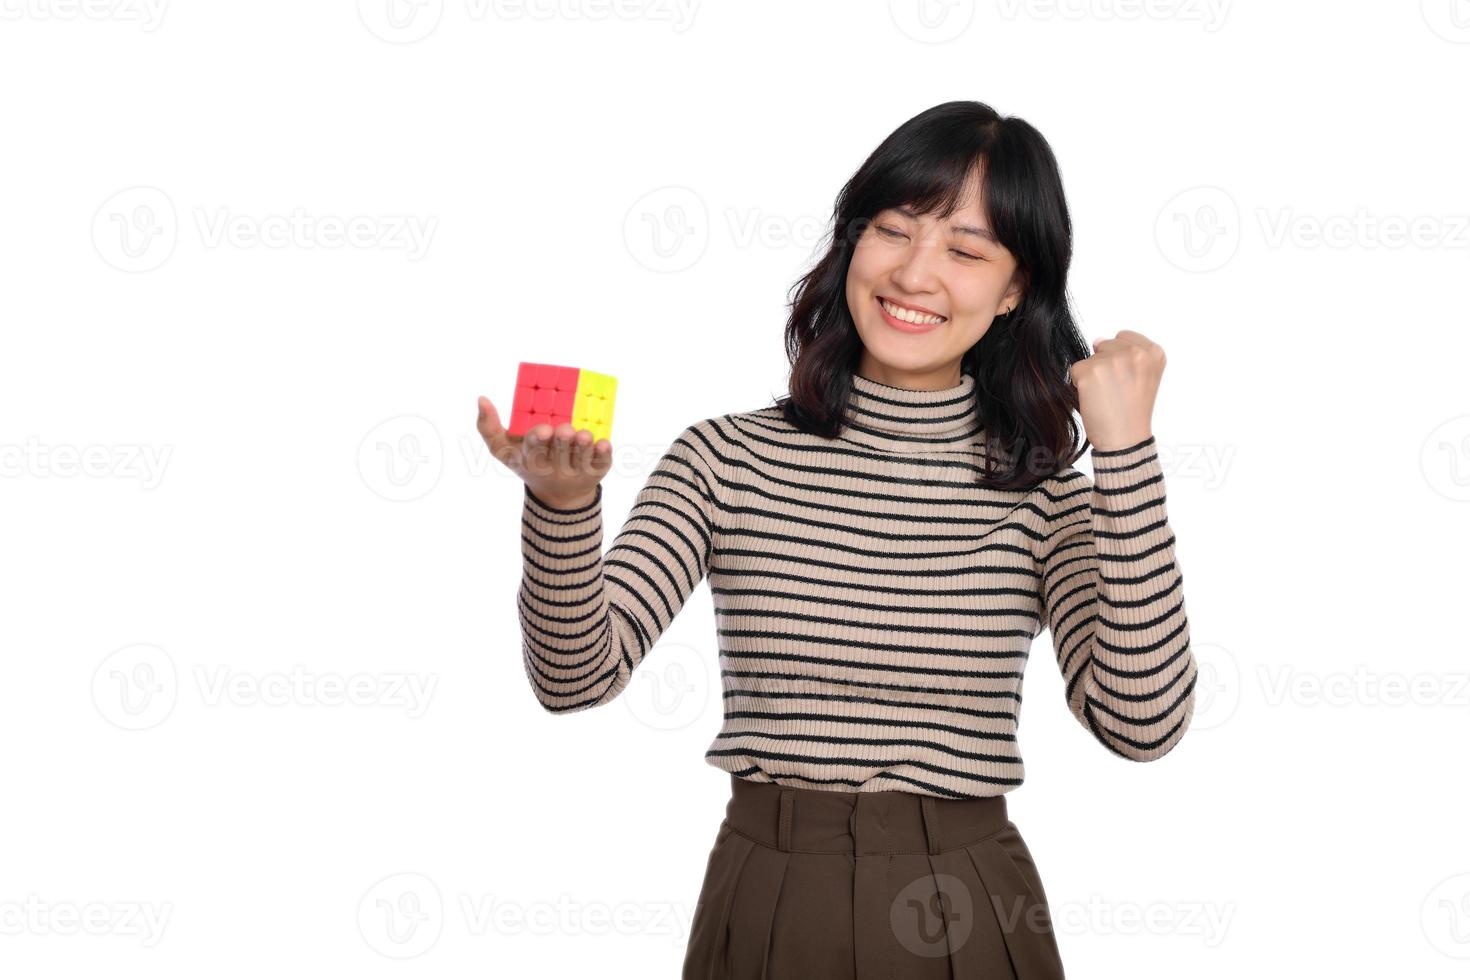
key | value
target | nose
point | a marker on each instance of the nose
(915, 273)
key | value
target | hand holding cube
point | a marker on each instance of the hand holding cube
(558, 437)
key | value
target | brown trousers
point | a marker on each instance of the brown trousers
(809, 884)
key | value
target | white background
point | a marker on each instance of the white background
(240, 464)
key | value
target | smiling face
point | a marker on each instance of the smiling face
(923, 291)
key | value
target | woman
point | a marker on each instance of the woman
(882, 545)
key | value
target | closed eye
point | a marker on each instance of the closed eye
(895, 233)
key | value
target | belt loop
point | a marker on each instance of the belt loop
(783, 833)
(930, 810)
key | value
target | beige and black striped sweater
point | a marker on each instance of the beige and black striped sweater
(875, 606)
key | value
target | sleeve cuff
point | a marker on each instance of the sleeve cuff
(561, 533)
(563, 511)
(1129, 493)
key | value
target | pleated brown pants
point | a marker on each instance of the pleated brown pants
(808, 884)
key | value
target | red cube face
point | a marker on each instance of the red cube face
(545, 393)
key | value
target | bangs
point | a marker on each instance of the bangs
(935, 186)
(929, 169)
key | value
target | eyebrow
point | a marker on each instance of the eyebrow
(962, 229)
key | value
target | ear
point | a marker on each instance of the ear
(1015, 292)
(1012, 299)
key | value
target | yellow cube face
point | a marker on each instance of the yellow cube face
(593, 409)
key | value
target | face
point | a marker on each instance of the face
(923, 291)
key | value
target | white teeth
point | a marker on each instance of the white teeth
(907, 315)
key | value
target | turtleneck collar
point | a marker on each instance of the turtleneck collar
(914, 419)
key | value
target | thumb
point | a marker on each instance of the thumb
(490, 429)
(488, 420)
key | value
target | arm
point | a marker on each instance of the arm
(1114, 601)
(588, 620)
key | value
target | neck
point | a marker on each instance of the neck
(934, 379)
(907, 419)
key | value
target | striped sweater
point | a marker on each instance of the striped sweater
(875, 606)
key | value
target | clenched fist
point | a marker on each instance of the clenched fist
(1116, 388)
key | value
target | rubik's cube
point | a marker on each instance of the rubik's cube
(554, 394)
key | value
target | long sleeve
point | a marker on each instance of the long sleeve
(1114, 602)
(588, 619)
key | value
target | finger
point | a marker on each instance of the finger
(601, 456)
(537, 451)
(486, 420)
(582, 450)
(488, 424)
(561, 445)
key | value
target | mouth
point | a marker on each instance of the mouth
(907, 318)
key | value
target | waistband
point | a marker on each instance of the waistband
(884, 822)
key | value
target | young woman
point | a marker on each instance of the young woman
(882, 545)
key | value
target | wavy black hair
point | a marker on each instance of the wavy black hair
(1024, 394)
